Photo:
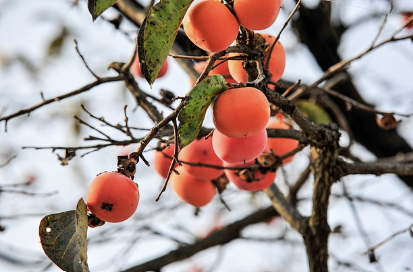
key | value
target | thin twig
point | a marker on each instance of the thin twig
(8, 161)
(84, 61)
(267, 61)
(394, 235)
(61, 97)
(383, 24)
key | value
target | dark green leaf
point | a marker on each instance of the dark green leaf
(97, 7)
(313, 111)
(193, 114)
(157, 34)
(64, 238)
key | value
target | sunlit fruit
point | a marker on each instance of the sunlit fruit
(161, 162)
(239, 150)
(136, 68)
(257, 14)
(190, 189)
(241, 112)
(407, 17)
(249, 180)
(210, 25)
(281, 146)
(201, 151)
(112, 197)
(276, 64)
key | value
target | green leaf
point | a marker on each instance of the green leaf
(64, 238)
(97, 7)
(315, 112)
(193, 113)
(157, 34)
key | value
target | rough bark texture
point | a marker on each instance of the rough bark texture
(322, 39)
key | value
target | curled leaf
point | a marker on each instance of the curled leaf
(64, 238)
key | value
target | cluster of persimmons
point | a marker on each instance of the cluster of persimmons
(241, 117)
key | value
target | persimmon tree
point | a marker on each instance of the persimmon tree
(309, 120)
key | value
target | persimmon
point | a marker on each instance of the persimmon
(112, 197)
(249, 180)
(407, 17)
(276, 64)
(210, 25)
(190, 189)
(241, 112)
(201, 151)
(239, 150)
(135, 68)
(281, 146)
(161, 163)
(257, 14)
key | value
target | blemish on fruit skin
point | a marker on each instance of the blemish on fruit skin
(48, 229)
(107, 206)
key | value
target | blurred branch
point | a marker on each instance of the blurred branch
(285, 208)
(394, 235)
(218, 237)
(373, 168)
(83, 89)
(8, 161)
(84, 61)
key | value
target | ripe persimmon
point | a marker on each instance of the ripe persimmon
(241, 112)
(276, 62)
(190, 189)
(257, 14)
(210, 25)
(201, 151)
(161, 163)
(112, 197)
(407, 17)
(239, 150)
(249, 180)
(281, 146)
(135, 68)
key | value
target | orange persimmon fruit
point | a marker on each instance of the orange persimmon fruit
(276, 64)
(112, 197)
(239, 150)
(201, 151)
(241, 112)
(191, 190)
(135, 68)
(250, 180)
(281, 146)
(257, 14)
(210, 25)
(160, 162)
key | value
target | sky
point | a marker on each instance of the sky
(26, 70)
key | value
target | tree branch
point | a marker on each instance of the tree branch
(219, 237)
(61, 97)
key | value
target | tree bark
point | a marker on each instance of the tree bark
(322, 39)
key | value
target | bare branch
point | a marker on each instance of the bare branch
(84, 61)
(218, 237)
(285, 208)
(61, 97)
(374, 168)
